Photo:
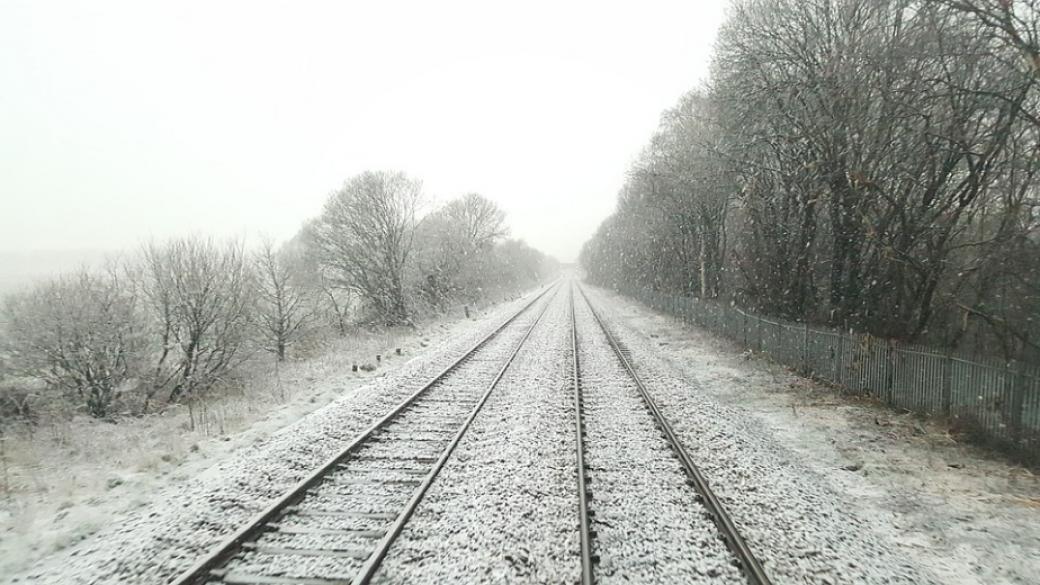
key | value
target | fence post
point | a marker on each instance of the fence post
(946, 389)
(1014, 397)
(805, 350)
(890, 371)
(839, 358)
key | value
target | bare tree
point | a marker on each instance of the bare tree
(364, 238)
(454, 248)
(515, 266)
(338, 299)
(479, 220)
(874, 160)
(328, 300)
(1011, 24)
(283, 309)
(200, 295)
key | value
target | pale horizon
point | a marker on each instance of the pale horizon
(138, 121)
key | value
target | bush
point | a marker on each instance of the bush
(199, 295)
(81, 334)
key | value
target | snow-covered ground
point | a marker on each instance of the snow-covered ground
(66, 479)
(826, 490)
(421, 432)
(147, 525)
(955, 511)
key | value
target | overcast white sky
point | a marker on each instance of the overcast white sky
(122, 121)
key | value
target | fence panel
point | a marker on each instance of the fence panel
(1031, 407)
(823, 349)
(994, 400)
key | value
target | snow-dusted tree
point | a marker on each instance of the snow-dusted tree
(869, 163)
(515, 266)
(481, 222)
(329, 302)
(364, 239)
(200, 294)
(283, 308)
(870, 134)
(687, 190)
(337, 300)
(81, 333)
(454, 244)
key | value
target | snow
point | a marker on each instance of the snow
(825, 489)
(404, 442)
(175, 518)
(952, 510)
(68, 480)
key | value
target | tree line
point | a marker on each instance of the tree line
(178, 320)
(868, 164)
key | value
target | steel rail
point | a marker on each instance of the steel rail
(748, 564)
(200, 572)
(371, 566)
(585, 532)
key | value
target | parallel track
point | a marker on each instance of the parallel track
(584, 525)
(743, 556)
(352, 496)
(336, 526)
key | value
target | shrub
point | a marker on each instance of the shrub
(81, 334)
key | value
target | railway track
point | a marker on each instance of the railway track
(336, 525)
(701, 492)
(584, 519)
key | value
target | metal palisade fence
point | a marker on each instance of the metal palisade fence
(997, 402)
